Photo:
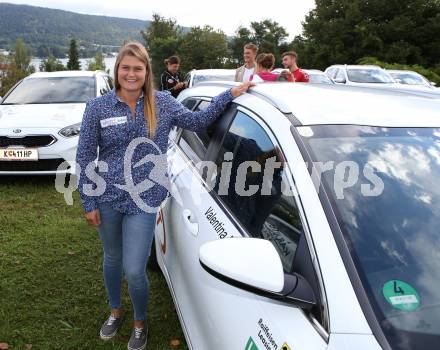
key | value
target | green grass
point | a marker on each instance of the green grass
(51, 289)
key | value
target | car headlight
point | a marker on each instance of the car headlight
(71, 130)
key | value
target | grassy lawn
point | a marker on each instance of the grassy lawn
(51, 289)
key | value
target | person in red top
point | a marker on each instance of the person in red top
(289, 60)
(265, 63)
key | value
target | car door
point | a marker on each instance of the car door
(267, 210)
(209, 210)
(178, 221)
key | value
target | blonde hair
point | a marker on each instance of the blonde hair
(137, 50)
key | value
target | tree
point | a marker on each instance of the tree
(73, 62)
(51, 64)
(242, 36)
(268, 35)
(162, 40)
(22, 58)
(97, 63)
(15, 67)
(342, 31)
(203, 48)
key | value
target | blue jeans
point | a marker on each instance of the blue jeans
(126, 240)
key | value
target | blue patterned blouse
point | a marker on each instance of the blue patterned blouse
(108, 129)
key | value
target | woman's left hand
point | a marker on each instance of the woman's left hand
(241, 89)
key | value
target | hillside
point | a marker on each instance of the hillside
(45, 29)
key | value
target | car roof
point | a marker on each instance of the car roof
(314, 104)
(60, 74)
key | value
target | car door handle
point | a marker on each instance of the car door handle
(193, 227)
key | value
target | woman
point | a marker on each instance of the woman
(170, 79)
(112, 122)
(265, 63)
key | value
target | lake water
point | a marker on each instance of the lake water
(109, 63)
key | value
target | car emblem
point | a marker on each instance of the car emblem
(16, 131)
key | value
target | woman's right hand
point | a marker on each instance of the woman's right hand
(93, 218)
(241, 89)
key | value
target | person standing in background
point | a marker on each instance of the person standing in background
(243, 73)
(265, 63)
(289, 60)
(170, 80)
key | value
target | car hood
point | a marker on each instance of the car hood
(41, 116)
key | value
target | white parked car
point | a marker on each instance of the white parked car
(40, 120)
(337, 251)
(411, 78)
(359, 75)
(197, 76)
(374, 77)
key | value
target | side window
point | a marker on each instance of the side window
(198, 142)
(263, 204)
(340, 75)
(206, 135)
(191, 145)
(190, 103)
(331, 73)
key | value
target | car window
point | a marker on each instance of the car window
(340, 75)
(332, 72)
(191, 145)
(205, 135)
(52, 90)
(261, 203)
(369, 75)
(190, 103)
(198, 142)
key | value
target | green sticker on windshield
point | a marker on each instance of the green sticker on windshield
(401, 295)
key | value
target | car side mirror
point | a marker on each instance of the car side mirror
(433, 83)
(339, 80)
(254, 265)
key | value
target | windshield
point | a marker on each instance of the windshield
(386, 196)
(53, 90)
(368, 75)
(409, 78)
(213, 77)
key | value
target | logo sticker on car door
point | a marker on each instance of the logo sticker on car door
(250, 345)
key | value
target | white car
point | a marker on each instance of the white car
(197, 76)
(327, 238)
(40, 120)
(360, 75)
(408, 77)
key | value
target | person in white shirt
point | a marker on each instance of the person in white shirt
(243, 73)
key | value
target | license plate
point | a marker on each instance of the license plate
(18, 154)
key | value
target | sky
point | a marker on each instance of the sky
(226, 15)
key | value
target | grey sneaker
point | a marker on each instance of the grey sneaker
(110, 327)
(138, 339)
